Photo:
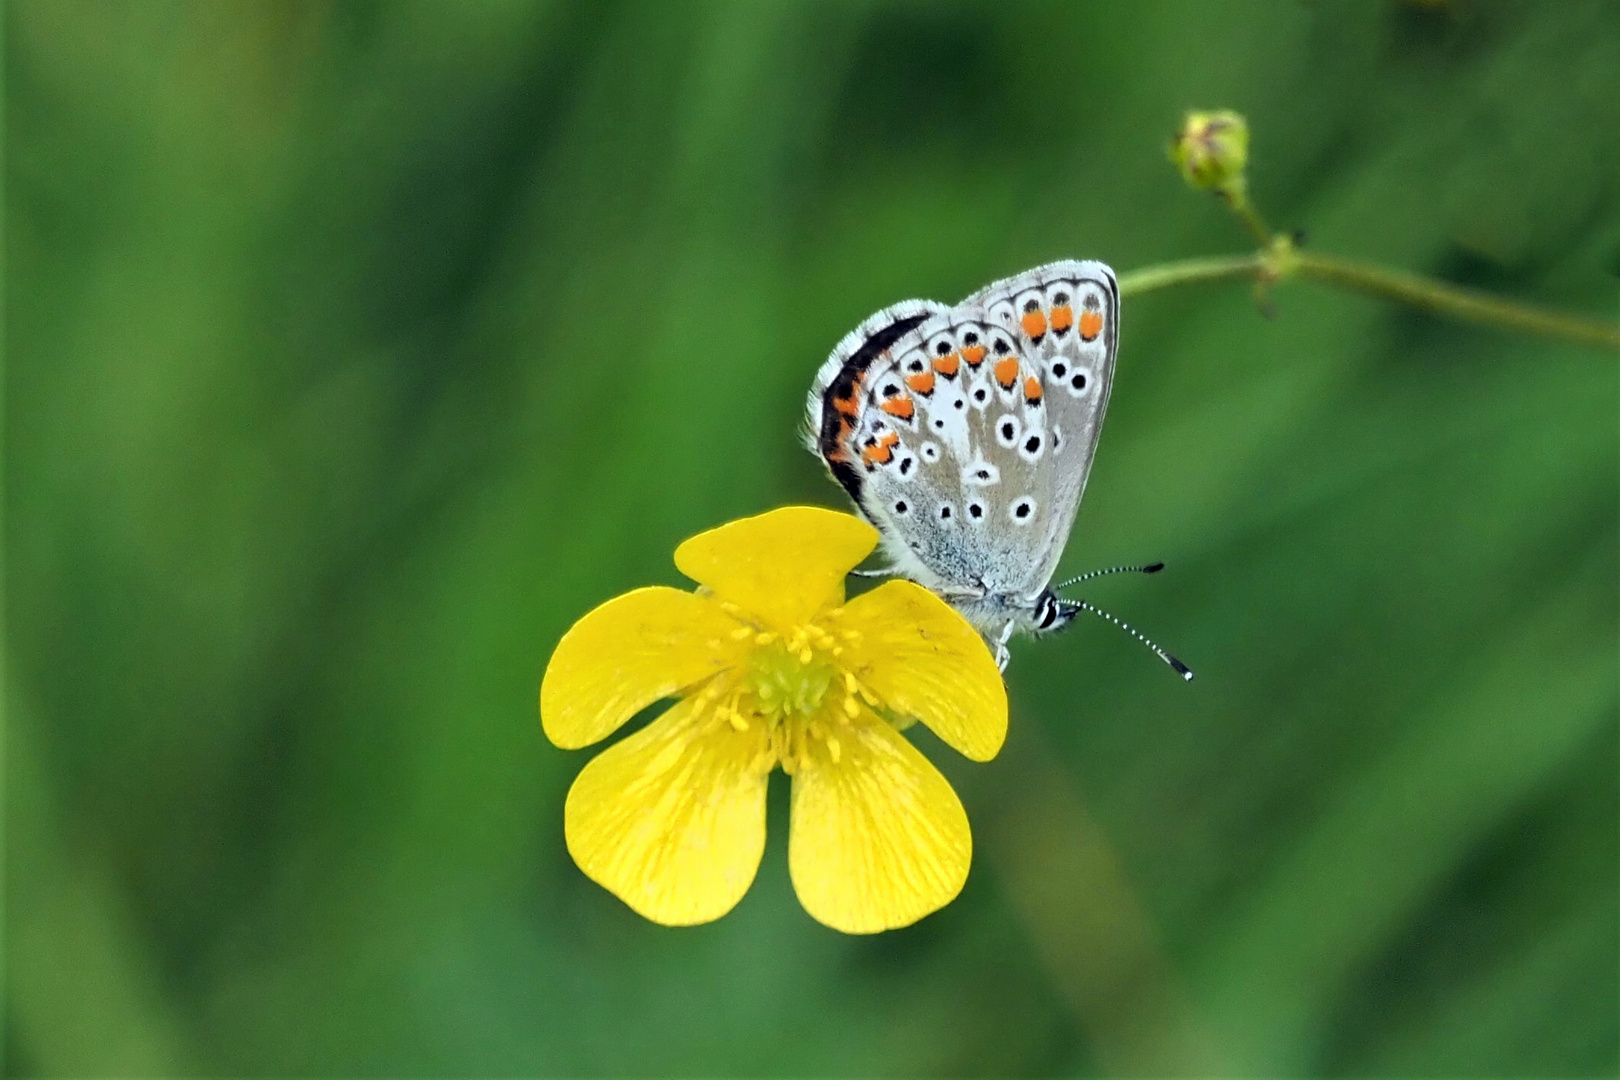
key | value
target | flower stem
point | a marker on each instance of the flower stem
(1189, 271)
(1459, 303)
(1282, 261)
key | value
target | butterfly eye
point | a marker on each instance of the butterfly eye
(1049, 612)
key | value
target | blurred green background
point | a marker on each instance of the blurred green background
(355, 349)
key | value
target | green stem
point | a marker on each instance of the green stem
(1465, 304)
(1284, 261)
(1189, 271)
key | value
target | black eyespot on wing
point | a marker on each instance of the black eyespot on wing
(959, 403)
(1060, 298)
(1023, 510)
(939, 423)
(970, 338)
(1060, 369)
(1031, 444)
(943, 348)
(1007, 430)
(1001, 346)
(915, 365)
(975, 511)
(978, 395)
(905, 465)
(1079, 380)
(1032, 305)
(900, 507)
(945, 512)
(890, 389)
(983, 474)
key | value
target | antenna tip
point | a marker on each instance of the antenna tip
(1182, 669)
(1153, 568)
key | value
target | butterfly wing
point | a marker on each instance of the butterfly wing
(966, 434)
(1066, 318)
(950, 439)
(836, 392)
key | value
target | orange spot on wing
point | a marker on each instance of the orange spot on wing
(877, 455)
(889, 438)
(947, 365)
(974, 355)
(1034, 323)
(1007, 371)
(846, 405)
(1090, 325)
(922, 382)
(1062, 317)
(1032, 389)
(899, 406)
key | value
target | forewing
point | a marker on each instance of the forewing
(1066, 318)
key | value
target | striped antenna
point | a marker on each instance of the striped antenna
(1181, 669)
(1150, 568)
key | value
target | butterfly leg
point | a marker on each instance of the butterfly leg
(1002, 653)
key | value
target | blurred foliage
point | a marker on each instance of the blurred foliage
(355, 349)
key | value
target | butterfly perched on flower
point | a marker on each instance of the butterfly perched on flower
(965, 433)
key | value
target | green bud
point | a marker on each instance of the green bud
(1212, 150)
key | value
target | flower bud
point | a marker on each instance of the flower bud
(1212, 150)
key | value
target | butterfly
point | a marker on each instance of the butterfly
(965, 434)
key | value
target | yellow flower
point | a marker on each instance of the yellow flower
(772, 667)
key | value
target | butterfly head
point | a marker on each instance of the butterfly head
(1051, 613)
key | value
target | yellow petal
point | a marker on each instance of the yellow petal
(782, 567)
(628, 653)
(672, 819)
(879, 839)
(923, 660)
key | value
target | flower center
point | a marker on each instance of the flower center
(796, 686)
